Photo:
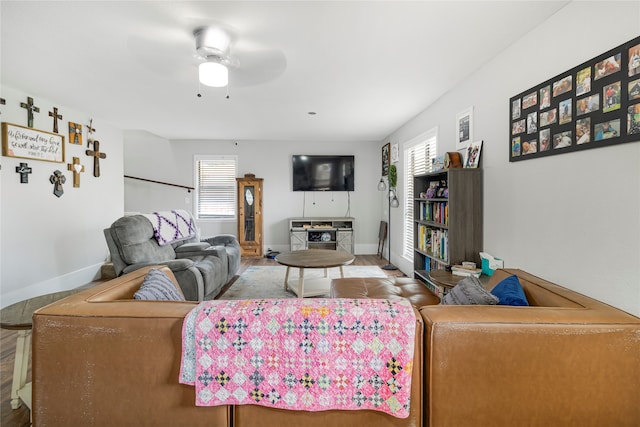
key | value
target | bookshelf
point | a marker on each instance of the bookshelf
(447, 226)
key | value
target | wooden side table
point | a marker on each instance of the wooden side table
(19, 316)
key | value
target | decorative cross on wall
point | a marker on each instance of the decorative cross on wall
(55, 116)
(75, 133)
(90, 131)
(24, 170)
(76, 168)
(97, 155)
(57, 179)
(30, 109)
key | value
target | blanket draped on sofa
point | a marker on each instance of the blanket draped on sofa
(301, 354)
(172, 226)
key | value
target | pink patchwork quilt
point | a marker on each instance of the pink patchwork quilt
(301, 354)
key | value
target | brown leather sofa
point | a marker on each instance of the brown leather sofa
(101, 358)
(566, 360)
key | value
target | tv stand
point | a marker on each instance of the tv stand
(322, 233)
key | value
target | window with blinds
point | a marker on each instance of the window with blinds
(418, 159)
(216, 187)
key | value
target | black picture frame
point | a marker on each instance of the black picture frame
(595, 104)
(386, 158)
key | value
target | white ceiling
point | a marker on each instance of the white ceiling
(365, 67)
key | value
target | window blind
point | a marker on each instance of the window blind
(418, 159)
(216, 187)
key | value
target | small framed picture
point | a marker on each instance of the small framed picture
(634, 60)
(464, 128)
(395, 154)
(562, 140)
(562, 86)
(515, 109)
(611, 97)
(583, 81)
(565, 111)
(515, 146)
(583, 131)
(385, 159)
(530, 100)
(609, 66)
(588, 104)
(606, 130)
(545, 97)
(472, 159)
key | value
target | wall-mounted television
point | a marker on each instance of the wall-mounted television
(323, 173)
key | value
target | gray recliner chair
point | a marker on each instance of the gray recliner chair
(201, 266)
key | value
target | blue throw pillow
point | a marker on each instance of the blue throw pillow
(510, 292)
(157, 286)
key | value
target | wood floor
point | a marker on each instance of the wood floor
(20, 417)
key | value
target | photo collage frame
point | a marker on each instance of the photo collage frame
(595, 104)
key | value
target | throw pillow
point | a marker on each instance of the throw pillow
(469, 291)
(158, 287)
(509, 292)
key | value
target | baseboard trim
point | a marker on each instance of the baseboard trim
(65, 282)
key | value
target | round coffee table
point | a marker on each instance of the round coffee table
(313, 258)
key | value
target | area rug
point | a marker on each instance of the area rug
(268, 281)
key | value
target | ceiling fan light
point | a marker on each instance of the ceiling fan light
(213, 74)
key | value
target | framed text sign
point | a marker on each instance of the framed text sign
(28, 143)
(595, 104)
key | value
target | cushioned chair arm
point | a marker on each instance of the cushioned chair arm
(175, 265)
(222, 239)
(196, 246)
(218, 251)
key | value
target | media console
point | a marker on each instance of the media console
(322, 233)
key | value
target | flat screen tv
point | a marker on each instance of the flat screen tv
(322, 173)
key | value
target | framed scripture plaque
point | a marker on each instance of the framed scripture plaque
(29, 143)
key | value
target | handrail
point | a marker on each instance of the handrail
(160, 182)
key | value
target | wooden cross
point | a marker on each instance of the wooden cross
(97, 155)
(75, 133)
(57, 179)
(90, 130)
(76, 168)
(24, 170)
(55, 116)
(30, 109)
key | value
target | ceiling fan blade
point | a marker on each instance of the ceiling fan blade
(258, 66)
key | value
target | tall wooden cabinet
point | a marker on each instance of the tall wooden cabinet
(250, 234)
(447, 224)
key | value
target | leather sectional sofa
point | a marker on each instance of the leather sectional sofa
(101, 358)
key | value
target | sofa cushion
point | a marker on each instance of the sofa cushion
(469, 291)
(157, 286)
(510, 292)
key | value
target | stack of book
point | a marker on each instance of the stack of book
(459, 270)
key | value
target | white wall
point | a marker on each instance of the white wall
(573, 219)
(151, 157)
(49, 243)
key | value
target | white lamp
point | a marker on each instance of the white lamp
(213, 74)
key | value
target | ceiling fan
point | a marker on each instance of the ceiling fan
(212, 46)
(222, 55)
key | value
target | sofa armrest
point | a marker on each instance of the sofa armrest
(222, 240)
(101, 360)
(546, 365)
(175, 265)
